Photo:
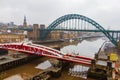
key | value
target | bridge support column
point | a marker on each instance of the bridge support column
(109, 69)
(93, 62)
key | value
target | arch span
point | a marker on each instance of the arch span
(61, 19)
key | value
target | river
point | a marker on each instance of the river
(85, 48)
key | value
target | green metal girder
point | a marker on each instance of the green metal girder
(81, 17)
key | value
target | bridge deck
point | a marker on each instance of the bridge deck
(45, 51)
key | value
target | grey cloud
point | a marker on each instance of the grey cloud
(105, 12)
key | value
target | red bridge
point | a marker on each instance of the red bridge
(41, 50)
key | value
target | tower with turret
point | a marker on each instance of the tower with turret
(25, 22)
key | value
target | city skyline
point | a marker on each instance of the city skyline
(105, 12)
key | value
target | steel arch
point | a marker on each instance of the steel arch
(77, 16)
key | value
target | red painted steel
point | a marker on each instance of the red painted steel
(41, 50)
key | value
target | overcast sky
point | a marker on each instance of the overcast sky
(105, 12)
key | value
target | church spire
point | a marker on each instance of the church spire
(25, 22)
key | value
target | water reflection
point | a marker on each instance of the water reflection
(85, 48)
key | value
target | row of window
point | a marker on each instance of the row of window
(12, 36)
(10, 40)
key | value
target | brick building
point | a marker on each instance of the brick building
(11, 37)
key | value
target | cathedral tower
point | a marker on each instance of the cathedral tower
(24, 23)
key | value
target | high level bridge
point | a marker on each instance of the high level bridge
(76, 22)
(79, 23)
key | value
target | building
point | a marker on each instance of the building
(42, 26)
(36, 32)
(55, 35)
(11, 37)
(11, 24)
(25, 22)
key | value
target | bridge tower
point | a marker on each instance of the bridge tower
(35, 32)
